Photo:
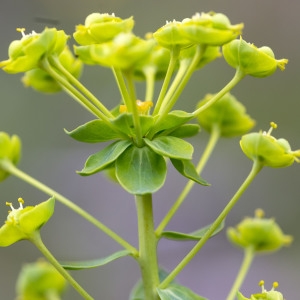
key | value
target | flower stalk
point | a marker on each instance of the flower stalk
(256, 167)
(147, 246)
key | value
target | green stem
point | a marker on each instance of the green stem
(249, 255)
(184, 65)
(190, 66)
(185, 72)
(130, 103)
(9, 167)
(131, 86)
(214, 137)
(54, 61)
(37, 241)
(172, 64)
(149, 73)
(73, 92)
(147, 246)
(256, 167)
(238, 76)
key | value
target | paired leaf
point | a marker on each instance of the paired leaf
(195, 235)
(185, 131)
(100, 160)
(173, 120)
(125, 124)
(171, 146)
(95, 131)
(94, 263)
(140, 170)
(178, 292)
(187, 169)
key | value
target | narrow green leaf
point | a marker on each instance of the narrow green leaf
(187, 169)
(195, 235)
(185, 131)
(125, 123)
(174, 119)
(94, 263)
(171, 146)
(178, 292)
(100, 160)
(95, 131)
(141, 170)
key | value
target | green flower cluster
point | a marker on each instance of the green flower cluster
(23, 222)
(142, 139)
(259, 233)
(10, 149)
(264, 295)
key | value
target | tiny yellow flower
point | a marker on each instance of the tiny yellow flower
(269, 151)
(23, 222)
(142, 107)
(264, 295)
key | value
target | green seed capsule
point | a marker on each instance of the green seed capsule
(257, 62)
(269, 151)
(262, 234)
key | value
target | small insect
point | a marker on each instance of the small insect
(46, 21)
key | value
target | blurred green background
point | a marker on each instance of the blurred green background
(53, 157)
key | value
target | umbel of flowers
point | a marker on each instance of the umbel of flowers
(143, 132)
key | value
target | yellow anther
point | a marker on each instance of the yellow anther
(275, 284)
(261, 283)
(20, 200)
(148, 35)
(123, 109)
(8, 204)
(143, 106)
(22, 30)
(273, 126)
(259, 213)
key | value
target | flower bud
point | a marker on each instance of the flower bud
(171, 36)
(257, 62)
(38, 280)
(228, 114)
(41, 81)
(210, 28)
(264, 295)
(10, 149)
(26, 54)
(123, 52)
(264, 235)
(100, 28)
(23, 222)
(269, 151)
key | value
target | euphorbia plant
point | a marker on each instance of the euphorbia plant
(143, 133)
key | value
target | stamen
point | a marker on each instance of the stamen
(22, 30)
(275, 285)
(259, 213)
(261, 283)
(21, 201)
(273, 126)
(10, 205)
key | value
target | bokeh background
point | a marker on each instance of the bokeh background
(53, 157)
